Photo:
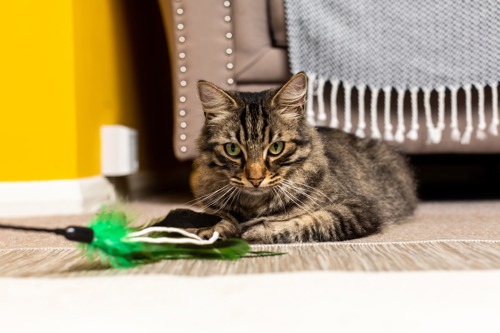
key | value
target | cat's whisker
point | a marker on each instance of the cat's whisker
(197, 201)
(303, 191)
(298, 190)
(294, 199)
(314, 201)
(200, 200)
(315, 197)
(215, 204)
(281, 202)
(227, 199)
(205, 196)
(219, 198)
(236, 197)
(297, 202)
(310, 188)
(230, 200)
(217, 201)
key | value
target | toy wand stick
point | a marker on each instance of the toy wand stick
(110, 237)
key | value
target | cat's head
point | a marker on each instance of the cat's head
(255, 140)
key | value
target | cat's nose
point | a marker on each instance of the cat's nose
(255, 181)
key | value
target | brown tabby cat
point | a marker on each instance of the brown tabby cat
(275, 179)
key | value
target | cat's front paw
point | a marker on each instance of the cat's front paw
(205, 233)
(226, 229)
(267, 233)
(257, 234)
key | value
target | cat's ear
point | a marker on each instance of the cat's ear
(215, 101)
(292, 95)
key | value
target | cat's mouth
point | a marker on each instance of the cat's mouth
(257, 190)
(255, 186)
(254, 190)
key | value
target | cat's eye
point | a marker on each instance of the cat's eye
(232, 149)
(276, 147)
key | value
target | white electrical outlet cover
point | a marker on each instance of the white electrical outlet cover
(119, 150)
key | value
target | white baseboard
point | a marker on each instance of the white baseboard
(55, 197)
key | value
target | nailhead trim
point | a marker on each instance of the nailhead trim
(229, 50)
(183, 68)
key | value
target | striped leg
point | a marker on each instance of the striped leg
(336, 223)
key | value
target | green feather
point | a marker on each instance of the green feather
(111, 228)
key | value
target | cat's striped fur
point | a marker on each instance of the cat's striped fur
(325, 185)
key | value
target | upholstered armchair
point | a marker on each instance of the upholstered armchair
(240, 44)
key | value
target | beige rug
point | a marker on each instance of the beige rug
(441, 236)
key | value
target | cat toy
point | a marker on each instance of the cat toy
(112, 239)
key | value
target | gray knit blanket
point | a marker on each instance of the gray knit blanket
(391, 47)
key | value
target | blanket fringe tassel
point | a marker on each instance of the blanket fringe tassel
(347, 107)
(361, 111)
(373, 114)
(494, 109)
(455, 132)
(400, 133)
(435, 127)
(387, 114)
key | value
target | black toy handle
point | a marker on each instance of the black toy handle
(72, 233)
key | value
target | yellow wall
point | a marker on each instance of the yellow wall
(64, 72)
